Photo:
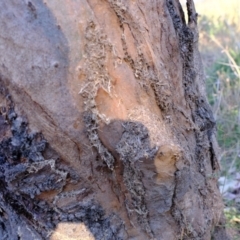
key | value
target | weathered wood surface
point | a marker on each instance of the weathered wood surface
(105, 129)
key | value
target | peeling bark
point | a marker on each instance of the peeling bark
(105, 129)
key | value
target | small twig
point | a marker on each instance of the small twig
(233, 64)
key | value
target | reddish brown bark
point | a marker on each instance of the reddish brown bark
(105, 129)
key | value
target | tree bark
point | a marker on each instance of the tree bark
(105, 129)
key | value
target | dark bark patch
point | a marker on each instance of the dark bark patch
(26, 174)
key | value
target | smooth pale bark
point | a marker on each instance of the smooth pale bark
(105, 128)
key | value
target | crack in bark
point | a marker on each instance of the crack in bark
(201, 113)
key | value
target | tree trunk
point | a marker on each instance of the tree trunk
(105, 129)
